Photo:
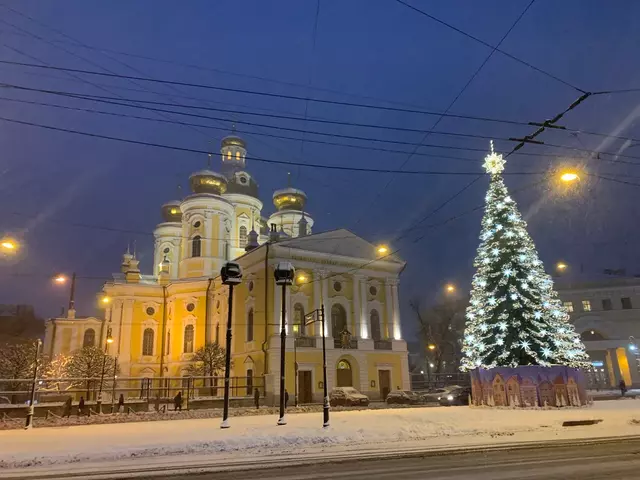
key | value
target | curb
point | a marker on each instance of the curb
(211, 466)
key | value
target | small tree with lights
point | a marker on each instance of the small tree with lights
(515, 317)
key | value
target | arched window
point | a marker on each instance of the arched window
(89, 338)
(250, 325)
(338, 320)
(147, 341)
(249, 381)
(188, 339)
(242, 236)
(344, 377)
(374, 320)
(196, 246)
(298, 320)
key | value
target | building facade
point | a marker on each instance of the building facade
(607, 315)
(158, 321)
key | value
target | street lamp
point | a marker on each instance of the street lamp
(9, 245)
(29, 420)
(431, 347)
(308, 320)
(61, 279)
(382, 249)
(569, 176)
(231, 274)
(561, 266)
(450, 288)
(284, 275)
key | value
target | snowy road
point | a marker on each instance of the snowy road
(614, 460)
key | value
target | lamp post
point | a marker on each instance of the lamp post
(284, 275)
(29, 420)
(231, 274)
(309, 319)
(61, 279)
(108, 341)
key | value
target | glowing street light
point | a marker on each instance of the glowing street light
(561, 266)
(569, 176)
(60, 279)
(431, 347)
(105, 300)
(450, 288)
(302, 278)
(382, 249)
(9, 245)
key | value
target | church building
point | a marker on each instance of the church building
(158, 321)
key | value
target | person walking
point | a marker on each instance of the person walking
(623, 387)
(286, 398)
(256, 398)
(121, 403)
(81, 406)
(66, 409)
(177, 402)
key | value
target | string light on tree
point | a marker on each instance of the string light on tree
(515, 317)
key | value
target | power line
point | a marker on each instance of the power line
(257, 159)
(476, 39)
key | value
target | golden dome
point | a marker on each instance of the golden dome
(289, 199)
(171, 211)
(233, 141)
(206, 181)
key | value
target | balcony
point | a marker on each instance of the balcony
(352, 344)
(305, 342)
(382, 345)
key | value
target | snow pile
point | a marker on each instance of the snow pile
(251, 436)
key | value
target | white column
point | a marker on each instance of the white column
(364, 317)
(124, 357)
(388, 301)
(317, 299)
(397, 334)
(325, 295)
(357, 306)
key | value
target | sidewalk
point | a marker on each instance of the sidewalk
(257, 440)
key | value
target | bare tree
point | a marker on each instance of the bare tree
(16, 363)
(441, 325)
(208, 361)
(86, 364)
(55, 370)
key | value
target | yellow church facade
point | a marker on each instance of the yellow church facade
(158, 321)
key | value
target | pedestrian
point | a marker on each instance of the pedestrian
(121, 403)
(286, 398)
(623, 387)
(66, 409)
(256, 398)
(81, 406)
(177, 402)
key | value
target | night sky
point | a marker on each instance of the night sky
(376, 52)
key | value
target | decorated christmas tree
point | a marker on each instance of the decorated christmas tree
(515, 317)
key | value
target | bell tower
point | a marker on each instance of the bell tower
(234, 153)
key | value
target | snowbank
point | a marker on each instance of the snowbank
(252, 436)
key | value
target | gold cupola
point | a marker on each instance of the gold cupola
(207, 181)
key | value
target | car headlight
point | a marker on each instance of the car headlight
(450, 397)
(439, 398)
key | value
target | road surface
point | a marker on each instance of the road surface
(612, 460)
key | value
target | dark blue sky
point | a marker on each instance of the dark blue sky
(364, 48)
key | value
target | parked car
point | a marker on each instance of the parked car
(347, 396)
(406, 397)
(434, 395)
(457, 396)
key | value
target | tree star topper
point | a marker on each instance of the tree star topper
(494, 163)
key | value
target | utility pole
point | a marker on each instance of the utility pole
(29, 421)
(231, 274)
(284, 275)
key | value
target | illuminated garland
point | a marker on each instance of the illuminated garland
(515, 317)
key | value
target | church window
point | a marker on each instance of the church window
(196, 246)
(338, 320)
(166, 250)
(151, 311)
(243, 180)
(237, 155)
(147, 341)
(190, 307)
(89, 338)
(188, 339)
(298, 320)
(197, 224)
(250, 325)
(337, 286)
(374, 319)
(373, 290)
(228, 154)
(243, 236)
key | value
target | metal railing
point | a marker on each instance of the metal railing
(382, 345)
(305, 342)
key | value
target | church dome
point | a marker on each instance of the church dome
(289, 199)
(171, 211)
(233, 141)
(207, 181)
(242, 183)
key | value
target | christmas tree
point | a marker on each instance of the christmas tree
(515, 317)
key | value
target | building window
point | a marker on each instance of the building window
(237, 154)
(338, 320)
(373, 290)
(188, 339)
(196, 246)
(249, 381)
(243, 236)
(150, 311)
(147, 341)
(586, 305)
(337, 286)
(626, 303)
(606, 304)
(89, 338)
(166, 250)
(250, 325)
(568, 306)
(374, 320)
(191, 307)
(197, 224)
(298, 320)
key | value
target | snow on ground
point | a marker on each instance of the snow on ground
(253, 436)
